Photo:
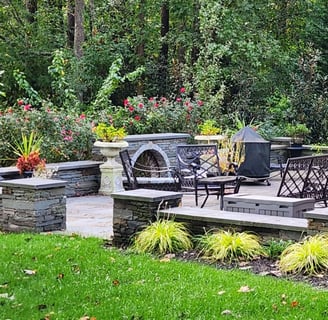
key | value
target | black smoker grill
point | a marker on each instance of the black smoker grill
(256, 166)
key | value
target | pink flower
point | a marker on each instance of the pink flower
(126, 102)
(200, 103)
(182, 90)
(140, 105)
(151, 98)
(137, 118)
(179, 99)
(131, 108)
(20, 102)
(82, 116)
(27, 107)
(156, 105)
(163, 99)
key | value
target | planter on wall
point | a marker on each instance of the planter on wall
(111, 170)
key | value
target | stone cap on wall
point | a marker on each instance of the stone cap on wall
(156, 136)
(33, 183)
(146, 195)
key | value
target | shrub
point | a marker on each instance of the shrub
(163, 236)
(66, 136)
(227, 245)
(274, 247)
(142, 115)
(309, 256)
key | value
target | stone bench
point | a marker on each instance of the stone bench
(266, 205)
(134, 209)
(33, 204)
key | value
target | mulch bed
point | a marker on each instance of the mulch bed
(261, 266)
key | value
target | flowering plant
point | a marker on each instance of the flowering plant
(109, 133)
(28, 152)
(143, 115)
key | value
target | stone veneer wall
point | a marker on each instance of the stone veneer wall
(134, 209)
(33, 204)
(163, 142)
(81, 177)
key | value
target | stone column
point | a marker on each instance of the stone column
(33, 204)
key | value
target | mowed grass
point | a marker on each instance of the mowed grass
(70, 277)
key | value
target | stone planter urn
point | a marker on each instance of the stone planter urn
(111, 170)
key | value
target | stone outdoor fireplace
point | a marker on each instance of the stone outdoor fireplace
(156, 150)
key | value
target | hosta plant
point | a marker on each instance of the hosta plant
(309, 256)
(163, 236)
(228, 245)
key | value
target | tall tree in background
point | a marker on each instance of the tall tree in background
(79, 28)
(163, 56)
(70, 23)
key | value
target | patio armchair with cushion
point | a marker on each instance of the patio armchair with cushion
(196, 163)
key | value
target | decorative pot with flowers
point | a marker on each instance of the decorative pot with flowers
(110, 141)
(209, 132)
(28, 152)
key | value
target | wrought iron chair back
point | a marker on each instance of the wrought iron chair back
(148, 177)
(132, 182)
(306, 177)
(195, 162)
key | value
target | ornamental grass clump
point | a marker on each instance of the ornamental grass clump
(163, 236)
(309, 256)
(228, 246)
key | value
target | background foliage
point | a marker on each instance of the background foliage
(263, 60)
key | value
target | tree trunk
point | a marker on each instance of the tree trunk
(70, 23)
(32, 8)
(163, 58)
(79, 29)
(140, 49)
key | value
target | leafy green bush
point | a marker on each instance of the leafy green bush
(227, 245)
(163, 236)
(309, 256)
(274, 247)
(66, 136)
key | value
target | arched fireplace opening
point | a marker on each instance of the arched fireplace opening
(151, 161)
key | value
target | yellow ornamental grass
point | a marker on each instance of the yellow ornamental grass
(226, 245)
(309, 256)
(163, 236)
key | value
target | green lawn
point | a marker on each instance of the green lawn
(62, 277)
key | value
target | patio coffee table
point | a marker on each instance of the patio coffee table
(219, 180)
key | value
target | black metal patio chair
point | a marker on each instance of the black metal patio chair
(164, 178)
(196, 163)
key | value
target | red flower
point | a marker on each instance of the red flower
(182, 90)
(20, 102)
(137, 118)
(126, 102)
(140, 105)
(27, 107)
(156, 105)
(82, 116)
(131, 108)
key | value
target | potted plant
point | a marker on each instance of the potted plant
(110, 141)
(297, 132)
(28, 152)
(208, 131)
